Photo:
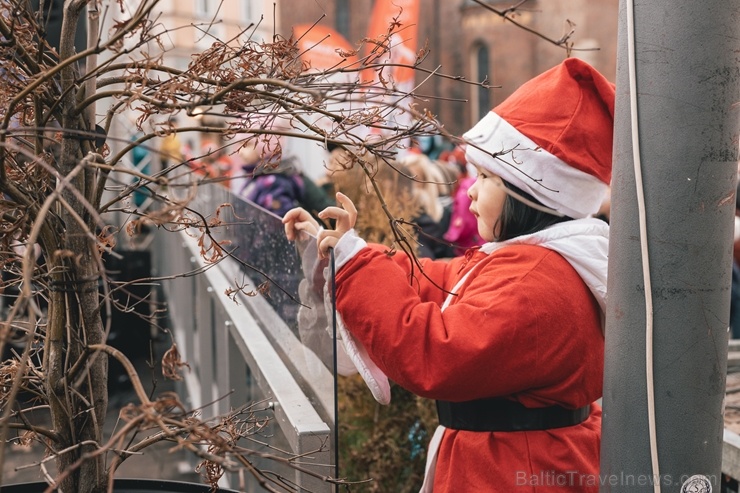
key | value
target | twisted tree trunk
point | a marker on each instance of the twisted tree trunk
(77, 379)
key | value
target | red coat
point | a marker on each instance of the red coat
(524, 325)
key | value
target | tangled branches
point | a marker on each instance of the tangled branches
(65, 169)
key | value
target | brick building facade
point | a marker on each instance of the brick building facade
(466, 39)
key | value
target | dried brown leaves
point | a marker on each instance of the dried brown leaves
(172, 363)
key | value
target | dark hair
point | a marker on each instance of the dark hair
(518, 218)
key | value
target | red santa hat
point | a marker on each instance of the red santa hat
(552, 138)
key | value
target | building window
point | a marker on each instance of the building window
(481, 71)
(247, 10)
(201, 8)
(209, 14)
(342, 22)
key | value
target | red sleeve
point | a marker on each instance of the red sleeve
(431, 279)
(523, 324)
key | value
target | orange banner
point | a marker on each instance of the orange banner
(403, 42)
(323, 48)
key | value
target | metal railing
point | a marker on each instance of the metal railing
(249, 349)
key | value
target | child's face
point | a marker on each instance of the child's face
(487, 197)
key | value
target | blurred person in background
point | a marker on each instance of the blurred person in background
(431, 188)
(463, 229)
(274, 180)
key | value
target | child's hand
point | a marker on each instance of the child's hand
(299, 219)
(345, 217)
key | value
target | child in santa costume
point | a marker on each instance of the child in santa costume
(512, 350)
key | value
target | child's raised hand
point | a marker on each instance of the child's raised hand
(345, 217)
(298, 219)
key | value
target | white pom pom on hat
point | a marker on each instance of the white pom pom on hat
(552, 138)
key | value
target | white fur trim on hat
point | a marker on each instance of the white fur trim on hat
(523, 163)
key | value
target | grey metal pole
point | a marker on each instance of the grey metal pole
(688, 84)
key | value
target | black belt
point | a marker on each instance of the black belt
(497, 414)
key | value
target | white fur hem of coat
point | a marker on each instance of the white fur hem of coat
(347, 247)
